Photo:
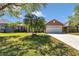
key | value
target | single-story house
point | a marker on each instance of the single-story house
(3, 25)
(5, 28)
(20, 27)
(69, 28)
(54, 26)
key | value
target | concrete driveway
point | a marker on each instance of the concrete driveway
(71, 40)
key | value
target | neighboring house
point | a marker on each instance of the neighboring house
(3, 25)
(54, 26)
(5, 28)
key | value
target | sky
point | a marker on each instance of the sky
(52, 11)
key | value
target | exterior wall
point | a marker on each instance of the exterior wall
(20, 28)
(5, 28)
(70, 29)
(2, 27)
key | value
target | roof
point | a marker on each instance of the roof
(54, 22)
(4, 21)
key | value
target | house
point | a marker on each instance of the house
(3, 25)
(71, 29)
(54, 26)
(5, 28)
(20, 28)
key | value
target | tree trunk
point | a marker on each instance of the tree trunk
(77, 28)
(34, 33)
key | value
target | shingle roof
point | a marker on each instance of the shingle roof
(4, 21)
(54, 22)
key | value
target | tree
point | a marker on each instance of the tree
(41, 24)
(74, 19)
(28, 21)
(15, 9)
(34, 23)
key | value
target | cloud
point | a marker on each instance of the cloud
(38, 13)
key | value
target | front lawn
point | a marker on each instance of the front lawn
(24, 44)
(13, 34)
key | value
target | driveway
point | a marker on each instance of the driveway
(71, 40)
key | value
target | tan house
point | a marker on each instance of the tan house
(54, 26)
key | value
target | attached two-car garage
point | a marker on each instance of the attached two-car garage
(54, 26)
(54, 29)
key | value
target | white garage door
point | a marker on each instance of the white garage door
(54, 29)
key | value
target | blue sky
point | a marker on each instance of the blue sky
(59, 11)
(51, 11)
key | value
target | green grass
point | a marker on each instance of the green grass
(13, 34)
(24, 44)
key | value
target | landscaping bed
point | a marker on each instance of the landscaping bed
(24, 44)
(76, 33)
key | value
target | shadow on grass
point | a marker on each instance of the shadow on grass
(40, 45)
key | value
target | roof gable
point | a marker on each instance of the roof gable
(54, 22)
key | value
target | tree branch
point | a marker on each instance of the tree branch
(3, 6)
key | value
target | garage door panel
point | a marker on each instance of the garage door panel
(54, 29)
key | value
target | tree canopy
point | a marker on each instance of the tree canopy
(15, 9)
(34, 23)
(74, 19)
